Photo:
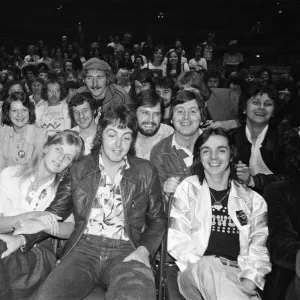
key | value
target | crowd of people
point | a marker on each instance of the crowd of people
(93, 146)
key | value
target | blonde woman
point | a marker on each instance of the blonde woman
(25, 192)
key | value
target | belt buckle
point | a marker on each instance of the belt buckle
(228, 262)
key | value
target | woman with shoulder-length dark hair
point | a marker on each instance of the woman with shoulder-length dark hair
(138, 62)
(218, 227)
(25, 192)
(174, 64)
(20, 138)
(266, 153)
(126, 62)
(58, 60)
(156, 63)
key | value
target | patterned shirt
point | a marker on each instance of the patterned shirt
(53, 119)
(107, 217)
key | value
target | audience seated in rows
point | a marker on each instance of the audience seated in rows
(116, 196)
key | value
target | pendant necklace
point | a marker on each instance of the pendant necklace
(34, 187)
(34, 195)
(21, 152)
(218, 204)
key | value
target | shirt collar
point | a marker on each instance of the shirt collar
(177, 146)
(45, 185)
(260, 137)
(123, 166)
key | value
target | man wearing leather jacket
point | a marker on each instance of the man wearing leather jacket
(119, 220)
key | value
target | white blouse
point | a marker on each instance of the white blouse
(13, 193)
(256, 163)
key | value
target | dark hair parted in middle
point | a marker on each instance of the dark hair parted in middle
(121, 116)
(253, 89)
(197, 166)
(24, 99)
(178, 65)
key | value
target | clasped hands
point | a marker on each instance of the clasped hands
(29, 225)
(243, 173)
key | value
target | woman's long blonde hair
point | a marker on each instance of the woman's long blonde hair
(65, 137)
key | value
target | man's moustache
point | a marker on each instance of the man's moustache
(149, 123)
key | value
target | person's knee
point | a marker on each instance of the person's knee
(139, 267)
(134, 269)
(133, 279)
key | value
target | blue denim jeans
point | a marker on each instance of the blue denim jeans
(22, 274)
(97, 260)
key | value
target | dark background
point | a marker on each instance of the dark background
(275, 38)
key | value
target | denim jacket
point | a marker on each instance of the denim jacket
(168, 160)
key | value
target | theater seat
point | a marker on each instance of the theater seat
(96, 294)
(172, 289)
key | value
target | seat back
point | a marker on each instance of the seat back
(161, 275)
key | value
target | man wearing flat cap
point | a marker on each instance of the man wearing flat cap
(98, 81)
